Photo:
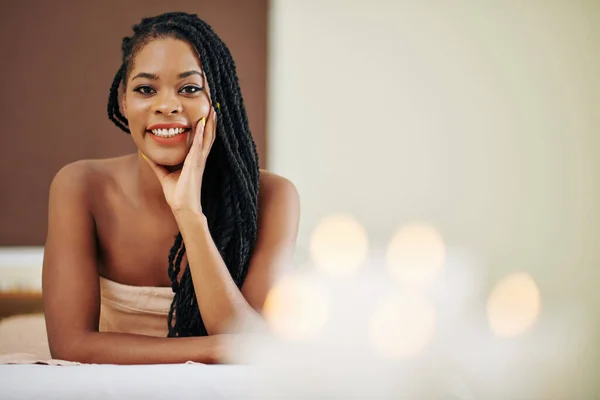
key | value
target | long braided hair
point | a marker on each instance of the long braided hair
(231, 176)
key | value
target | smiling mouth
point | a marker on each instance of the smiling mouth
(168, 133)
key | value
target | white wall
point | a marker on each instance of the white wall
(479, 118)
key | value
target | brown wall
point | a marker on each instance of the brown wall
(58, 59)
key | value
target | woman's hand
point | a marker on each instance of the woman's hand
(182, 187)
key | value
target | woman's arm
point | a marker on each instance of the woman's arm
(124, 348)
(71, 293)
(224, 308)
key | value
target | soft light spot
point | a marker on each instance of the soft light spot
(339, 245)
(514, 305)
(402, 325)
(297, 308)
(416, 254)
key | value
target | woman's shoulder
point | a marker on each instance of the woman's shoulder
(270, 181)
(86, 176)
(276, 189)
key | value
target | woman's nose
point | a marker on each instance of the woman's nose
(167, 105)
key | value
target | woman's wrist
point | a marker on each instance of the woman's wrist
(216, 349)
(190, 219)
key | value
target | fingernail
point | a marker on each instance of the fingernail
(203, 120)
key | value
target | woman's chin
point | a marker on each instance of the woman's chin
(167, 160)
(170, 156)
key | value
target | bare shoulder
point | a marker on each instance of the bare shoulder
(85, 177)
(273, 185)
(278, 200)
(73, 178)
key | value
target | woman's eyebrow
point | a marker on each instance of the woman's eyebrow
(190, 73)
(154, 77)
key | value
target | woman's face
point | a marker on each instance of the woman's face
(166, 96)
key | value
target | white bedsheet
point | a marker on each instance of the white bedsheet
(169, 381)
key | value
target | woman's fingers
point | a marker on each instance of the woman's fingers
(210, 133)
(194, 155)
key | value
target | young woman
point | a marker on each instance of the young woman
(155, 257)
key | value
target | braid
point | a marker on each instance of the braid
(114, 112)
(231, 178)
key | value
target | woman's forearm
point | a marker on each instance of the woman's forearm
(123, 348)
(219, 299)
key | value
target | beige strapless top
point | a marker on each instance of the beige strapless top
(142, 310)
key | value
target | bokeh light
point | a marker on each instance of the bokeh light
(402, 325)
(416, 254)
(297, 307)
(339, 245)
(514, 305)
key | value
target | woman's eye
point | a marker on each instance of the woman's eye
(190, 89)
(144, 90)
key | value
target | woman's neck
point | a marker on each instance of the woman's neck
(150, 189)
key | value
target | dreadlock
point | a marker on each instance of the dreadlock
(230, 183)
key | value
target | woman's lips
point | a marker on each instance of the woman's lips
(166, 136)
(169, 125)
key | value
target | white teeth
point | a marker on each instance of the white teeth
(168, 132)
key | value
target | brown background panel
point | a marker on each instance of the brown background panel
(58, 61)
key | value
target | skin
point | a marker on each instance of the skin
(117, 218)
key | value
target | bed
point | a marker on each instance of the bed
(556, 361)
(176, 381)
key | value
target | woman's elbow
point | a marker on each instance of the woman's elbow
(70, 349)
